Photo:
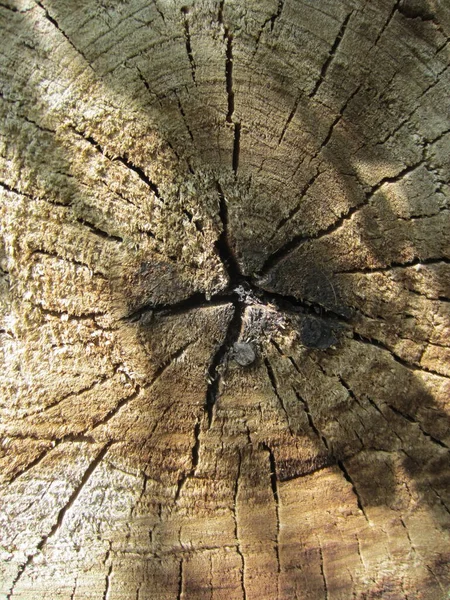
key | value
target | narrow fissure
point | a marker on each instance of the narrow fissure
(54, 22)
(195, 453)
(288, 120)
(289, 216)
(331, 55)
(223, 244)
(146, 84)
(139, 389)
(274, 17)
(98, 231)
(355, 491)
(397, 265)
(413, 421)
(230, 94)
(411, 366)
(236, 529)
(14, 190)
(310, 419)
(74, 589)
(107, 583)
(60, 518)
(273, 383)
(236, 146)
(180, 581)
(39, 458)
(219, 358)
(183, 114)
(229, 74)
(387, 23)
(187, 38)
(293, 244)
(123, 160)
(220, 12)
(276, 497)
(325, 587)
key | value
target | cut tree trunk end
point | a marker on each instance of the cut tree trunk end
(224, 299)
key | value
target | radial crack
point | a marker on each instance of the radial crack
(236, 147)
(230, 98)
(331, 55)
(347, 477)
(218, 360)
(72, 261)
(180, 581)
(297, 207)
(273, 382)
(167, 363)
(312, 180)
(53, 21)
(411, 366)
(14, 190)
(98, 231)
(270, 20)
(31, 464)
(236, 528)
(415, 422)
(394, 265)
(61, 514)
(310, 419)
(197, 300)
(276, 498)
(229, 74)
(183, 114)
(387, 22)
(107, 583)
(187, 38)
(159, 11)
(194, 461)
(288, 120)
(293, 244)
(325, 587)
(123, 160)
(223, 244)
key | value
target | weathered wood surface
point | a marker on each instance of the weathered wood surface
(179, 177)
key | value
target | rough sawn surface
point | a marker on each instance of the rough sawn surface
(224, 299)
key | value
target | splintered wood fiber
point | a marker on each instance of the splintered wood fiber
(224, 300)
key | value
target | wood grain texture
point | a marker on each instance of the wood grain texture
(181, 182)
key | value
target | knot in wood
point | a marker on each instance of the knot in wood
(243, 353)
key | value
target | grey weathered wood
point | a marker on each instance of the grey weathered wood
(178, 178)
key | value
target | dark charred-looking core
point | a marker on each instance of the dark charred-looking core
(319, 313)
(317, 318)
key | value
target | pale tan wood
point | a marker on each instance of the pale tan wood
(176, 178)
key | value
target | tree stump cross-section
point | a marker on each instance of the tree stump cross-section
(224, 299)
